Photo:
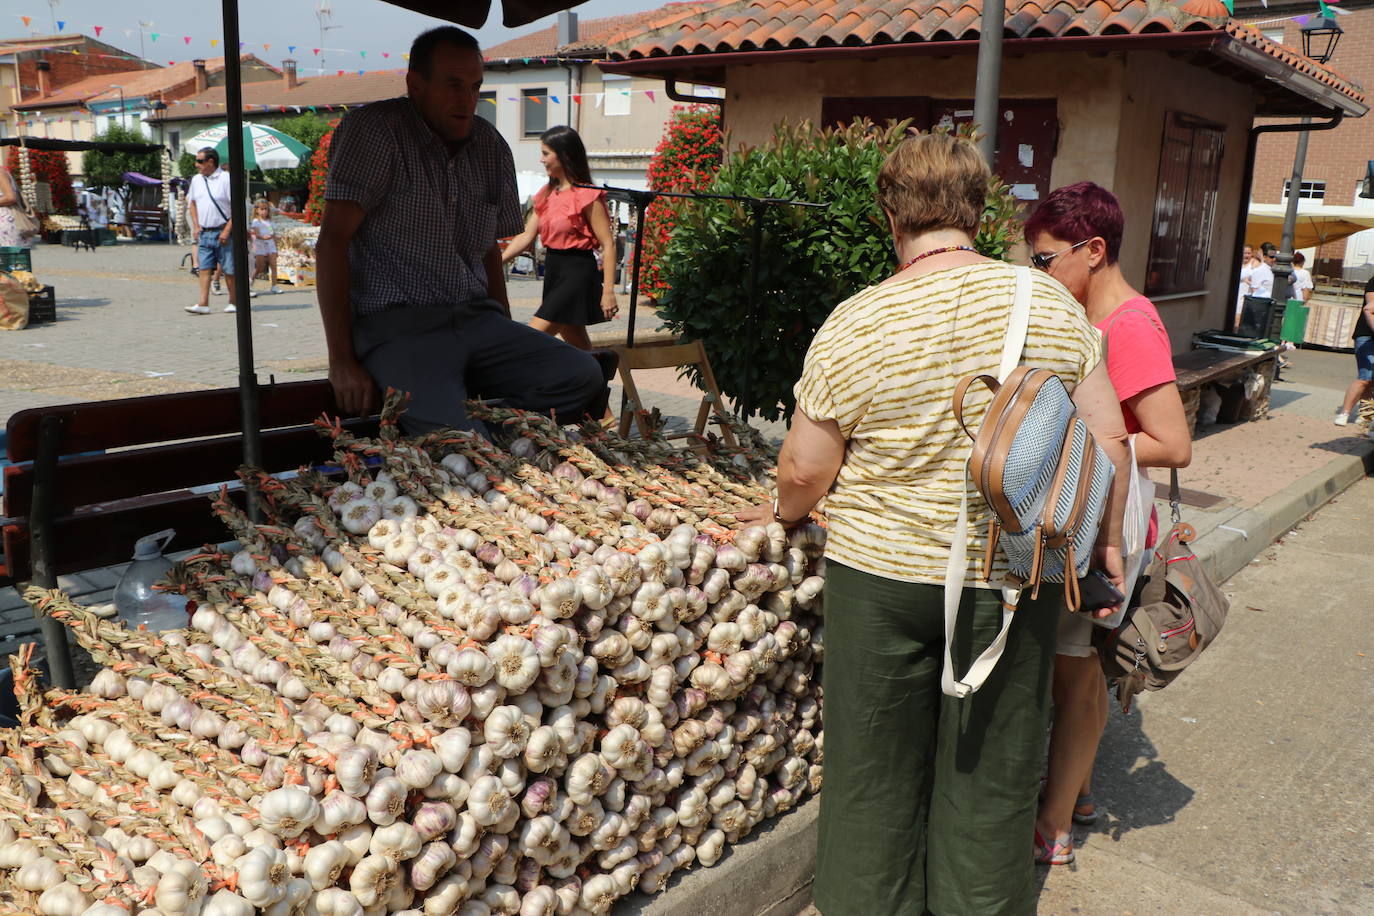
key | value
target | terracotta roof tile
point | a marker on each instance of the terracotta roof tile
(726, 26)
(592, 35)
(319, 92)
(135, 83)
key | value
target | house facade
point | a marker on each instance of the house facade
(38, 66)
(552, 77)
(286, 95)
(90, 106)
(1338, 160)
(1150, 99)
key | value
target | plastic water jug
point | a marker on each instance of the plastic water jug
(135, 598)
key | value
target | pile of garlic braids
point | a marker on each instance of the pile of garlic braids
(542, 677)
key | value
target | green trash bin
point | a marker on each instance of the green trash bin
(1294, 321)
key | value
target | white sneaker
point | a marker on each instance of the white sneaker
(230, 308)
(198, 309)
(216, 289)
(252, 294)
(1341, 418)
(274, 290)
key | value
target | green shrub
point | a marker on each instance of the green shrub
(811, 259)
(310, 130)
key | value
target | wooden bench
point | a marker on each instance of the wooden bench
(139, 220)
(1198, 368)
(66, 509)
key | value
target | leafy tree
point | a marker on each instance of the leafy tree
(310, 130)
(106, 170)
(186, 165)
(811, 259)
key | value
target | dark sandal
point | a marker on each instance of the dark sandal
(1085, 819)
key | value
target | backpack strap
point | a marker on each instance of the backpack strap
(957, 570)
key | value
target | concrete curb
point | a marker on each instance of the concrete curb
(1230, 546)
(770, 873)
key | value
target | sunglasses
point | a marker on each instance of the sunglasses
(1042, 261)
(203, 161)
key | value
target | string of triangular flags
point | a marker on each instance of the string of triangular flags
(578, 98)
(214, 45)
(1323, 9)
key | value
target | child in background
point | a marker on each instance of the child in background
(264, 244)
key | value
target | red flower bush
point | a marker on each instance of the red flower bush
(49, 166)
(319, 177)
(686, 159)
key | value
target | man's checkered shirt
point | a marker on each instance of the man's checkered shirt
(430, 217)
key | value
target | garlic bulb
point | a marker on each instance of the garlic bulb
(287, 812)
(262, 875)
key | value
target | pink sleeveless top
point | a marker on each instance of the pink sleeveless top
(563, 219)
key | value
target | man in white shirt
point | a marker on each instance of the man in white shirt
(1262, 277)
(208, 211)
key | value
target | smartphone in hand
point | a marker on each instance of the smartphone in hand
(1096, 592)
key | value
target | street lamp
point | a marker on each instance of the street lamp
(121, 102)
(1320, 35)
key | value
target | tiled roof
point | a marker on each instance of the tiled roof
(135, 83)
(319, 92)
(591, 35)
(765, 25)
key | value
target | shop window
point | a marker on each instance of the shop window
(486, 107)
(1185, 205)
(617, 98)
(534, 111)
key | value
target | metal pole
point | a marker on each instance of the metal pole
(746, 402)
(44, 558)
(1283, 263)
(238, 189)
(988, 89)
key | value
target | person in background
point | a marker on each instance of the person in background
(1262, 277)
(1302, 285)
(572, 223)
(1363, 338)
(410, 285)
(264, 244)
(208, 207)
(9, 200)
(287, 204)
(1140, 365)
(1248, 263)
(929, 799)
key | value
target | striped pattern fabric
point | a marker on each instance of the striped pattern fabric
(884, 366)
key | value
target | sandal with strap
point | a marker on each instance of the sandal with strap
(1056, 853)
(1085, 818)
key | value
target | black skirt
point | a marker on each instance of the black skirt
(572, 287)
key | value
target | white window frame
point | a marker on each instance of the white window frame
(1274, 34)
(1314, 189)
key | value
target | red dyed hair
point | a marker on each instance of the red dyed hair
(1079, 212)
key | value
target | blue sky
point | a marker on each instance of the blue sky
(366, 34)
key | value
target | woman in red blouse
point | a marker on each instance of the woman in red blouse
(572, 223)
(1075, 237)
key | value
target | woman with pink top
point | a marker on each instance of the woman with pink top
(1075, 237)
(571, 222)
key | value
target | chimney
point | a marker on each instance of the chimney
(288, 73)
(202, 79)
(567, 28)
(44, 81)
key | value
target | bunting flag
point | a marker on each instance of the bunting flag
(98, 30)
(214, 42)
(290, 49)
(386, 53)
(186, 39)
(26, 20)
(61, 24)
(317, 52)
(650, 94)
(554, 99)
(154, 35)
(266, 48)
(577, 99)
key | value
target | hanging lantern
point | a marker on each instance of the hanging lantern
(1319, 37)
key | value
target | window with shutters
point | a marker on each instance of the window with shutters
(1185, 205)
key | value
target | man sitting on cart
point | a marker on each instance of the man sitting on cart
(409, 275)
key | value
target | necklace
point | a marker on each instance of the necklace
(935, 251)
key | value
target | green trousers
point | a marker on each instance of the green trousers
(929, 801)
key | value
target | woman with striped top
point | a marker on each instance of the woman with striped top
(929, 801)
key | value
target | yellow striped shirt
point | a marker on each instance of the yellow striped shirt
(884, 366)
